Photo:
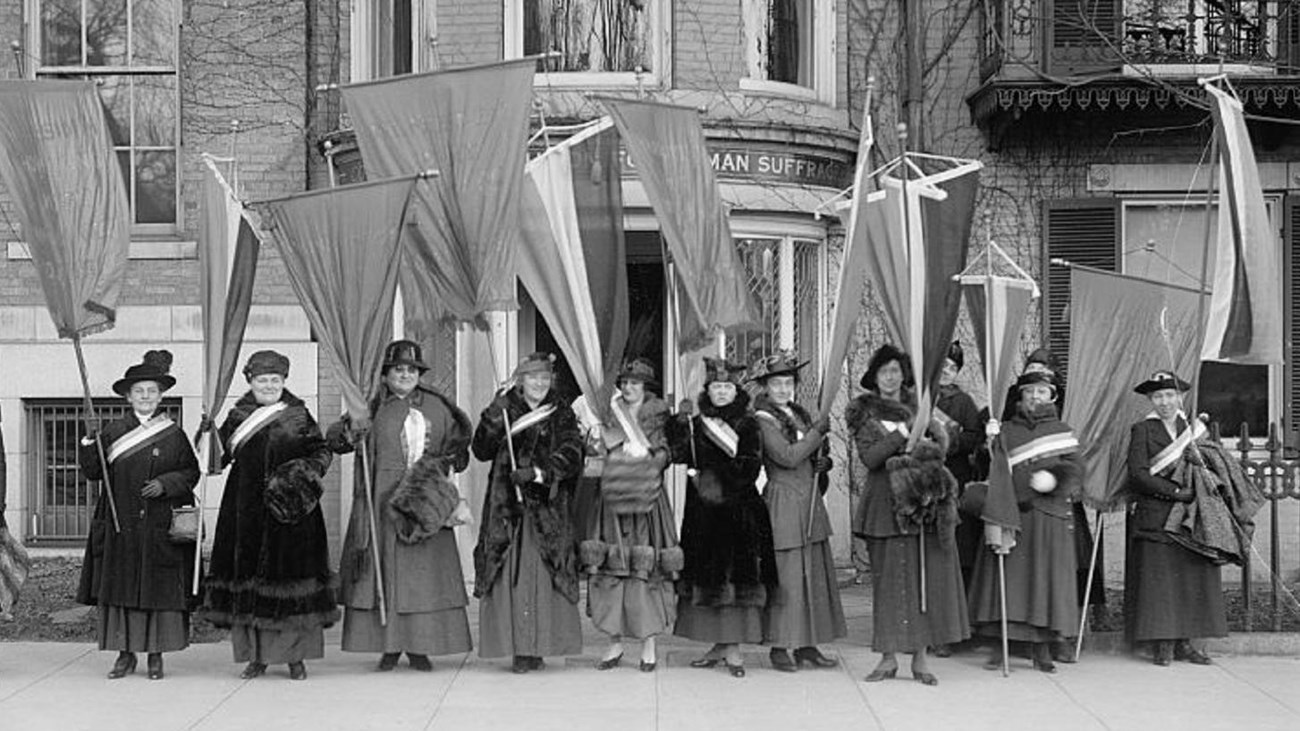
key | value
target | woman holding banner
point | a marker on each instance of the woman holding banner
(631, 552)
(138, 576)
(908, 515)
(525, 566)
(269, 580)
(1176, 593)
(807, 609)
(730, 568)
(416, 437)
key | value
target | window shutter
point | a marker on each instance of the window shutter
(1288, 23)
(1083, 36)
(1081, 231)
(1291, 300)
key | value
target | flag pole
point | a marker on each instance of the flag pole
(1002, 595)
(918, 359)
(105, 484)
(205, 451)
(1087, 589)
(988, 379)
(374, 533)
(1205, 267)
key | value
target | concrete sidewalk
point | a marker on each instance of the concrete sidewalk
(62, 686)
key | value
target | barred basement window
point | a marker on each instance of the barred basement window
(61, 499)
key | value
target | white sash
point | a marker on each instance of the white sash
(1170, 454)
(798, 433)
(415, 430)
(720, 433)
(263, 416)
(631, 429)
(532, 418)
(1048, 446)
(137, 437)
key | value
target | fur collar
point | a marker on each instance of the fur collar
(1043, 414)
(871, 405)
(731, 413)
(247, 404)
(790, 425)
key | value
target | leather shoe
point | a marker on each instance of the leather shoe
(1043, 658)
(253, 670)
(647, 667)
(520, 665)
(387, 661)
(781, 660)
(535, 663)
(814, 657)
(737, 671)
(297, 671)
(610, 663)
(1063, 651)
(944, 650)
(1163, 653)
(123, 666)
(1184, 651)
(925, 678)
(878, 675)
(704, 662)
(419, 662)
(155, 666)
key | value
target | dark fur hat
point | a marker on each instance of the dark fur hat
(266, 361)
(883, 355)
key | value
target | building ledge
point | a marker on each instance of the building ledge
(17, 250)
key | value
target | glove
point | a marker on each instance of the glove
(822, 425)
(205, 424)
(992, 428)
(686, 407)
(523, 476)
(1184, 495)
(822, 464)
(151, 490)
(359, 429)
(1042, 481)
(536, 491)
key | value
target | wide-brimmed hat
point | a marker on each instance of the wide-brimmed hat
(266, 361)
(717, 370)
(404, 352)
(637, 369)
(155, 366)
(956, 355)
(780, 363)
(1035, 378)
(538, 362)
(1161, 380)
(883, 355)
(1044, 358)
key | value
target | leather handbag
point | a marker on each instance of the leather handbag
(184, 527)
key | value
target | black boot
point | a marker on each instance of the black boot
(123, 666)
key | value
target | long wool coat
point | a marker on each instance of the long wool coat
(266, 573)
(412, 503)
(554, 445)
(787, 460)
(140, 568)
(726, 533)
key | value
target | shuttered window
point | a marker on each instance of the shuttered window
(1083, 36)
(1080, 231)
(1291, 300)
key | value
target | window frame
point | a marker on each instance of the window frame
(37, 69)
(821, 61)
(364, 57)
(655, 78)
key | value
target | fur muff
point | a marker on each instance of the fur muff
(591, 554)
(423, 500)
(617, 557)
(924, 492)
(293, 491)
(671, 560)
(643, 560)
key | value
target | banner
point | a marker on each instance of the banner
(470, 125)
(65, 184)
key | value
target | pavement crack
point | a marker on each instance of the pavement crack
(437, 708)
(49, 674)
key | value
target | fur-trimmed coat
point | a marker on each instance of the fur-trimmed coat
(791, 479)
(556, 447)
(903, 491)
(140, 567)
(1066, 468)
(726, 530)
(266, 573)
(412, 505)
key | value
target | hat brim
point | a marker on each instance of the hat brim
(790, 371)
(122, 386)
(1148, 387)
(405, 361)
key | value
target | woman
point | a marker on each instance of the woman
(961, 418)
(730, 568)
(414, 438)
(891, 518)
(1176, 593)
(806, 609)
(269, 580)
(525, 568)
(631, 553)
(1046, 474)
(138, 576)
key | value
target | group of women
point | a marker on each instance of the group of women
(751, 566)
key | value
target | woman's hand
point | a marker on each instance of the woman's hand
(151, 490)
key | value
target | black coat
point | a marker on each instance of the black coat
(140, 567)
(962, 442)
(726, 530)
(264, 572)
(1152, 496)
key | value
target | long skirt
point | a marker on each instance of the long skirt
(806, 609)
(624, 597)
(1177, 594)
(142, 630)
(898, 624)
(276, 646)
(1042, 593)
(529, 617)
(442, 632)
(728, 625)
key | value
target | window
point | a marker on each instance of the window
(591, 42)
(392, 37)
(129, 48)
(789, 47)
(61, 499)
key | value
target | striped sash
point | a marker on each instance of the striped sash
(720, 433)
(1048, 445)
(255, 422)
(532, 418)
(139, 437)
(631, 429)
(1170, 454)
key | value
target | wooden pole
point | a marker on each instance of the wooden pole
(205, 451)
(1087, 589)
(106, 484)
(1199, 343)
(1002, 595)
(374, 533)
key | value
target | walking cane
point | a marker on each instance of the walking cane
(1002, 595)
(921, 542)
(374, 534)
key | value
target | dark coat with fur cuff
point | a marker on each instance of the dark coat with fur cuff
(412, 505)
(727, 535)
(267, 573)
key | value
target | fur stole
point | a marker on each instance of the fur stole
(293, 491)
(790, 426)
(732, 413)
(923, 491)
(423, 500)
(871, 406)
